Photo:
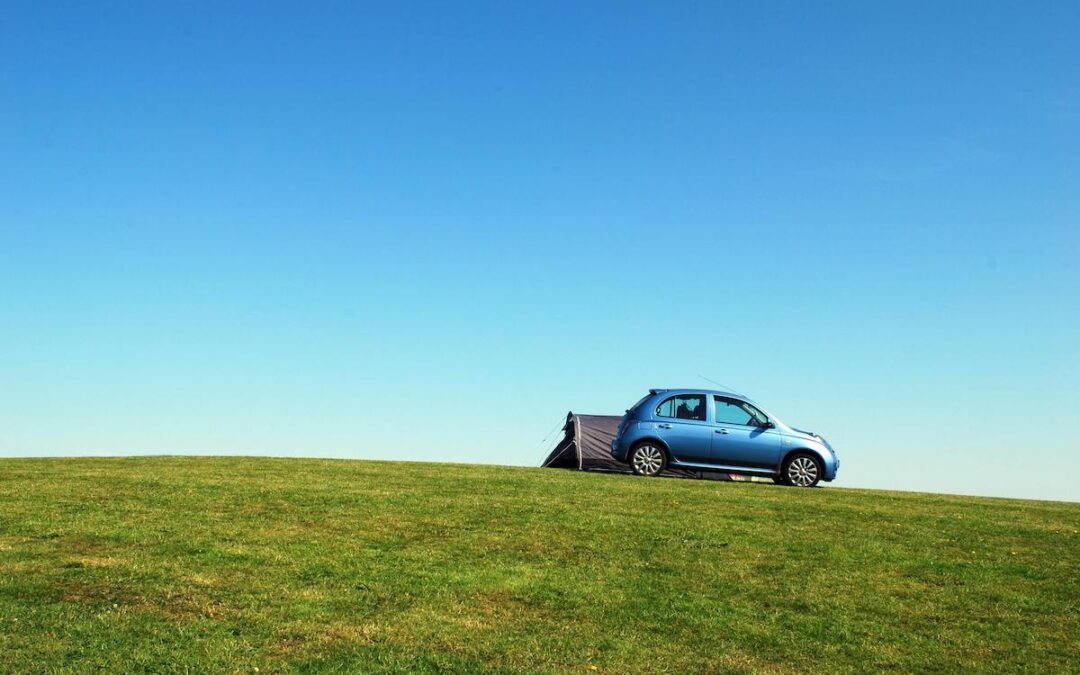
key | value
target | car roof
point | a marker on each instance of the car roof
(717, 392)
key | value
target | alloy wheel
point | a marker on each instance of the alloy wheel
(648, 460)
(802, 472)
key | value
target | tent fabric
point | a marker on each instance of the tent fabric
(586, 446)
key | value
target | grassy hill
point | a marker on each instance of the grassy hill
(282, 565)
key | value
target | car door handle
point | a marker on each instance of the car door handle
(721, 431)
(663, 426)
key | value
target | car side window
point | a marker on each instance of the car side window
(729, 411)
(683, 407)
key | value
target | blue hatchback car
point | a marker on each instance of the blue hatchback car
(719, 431)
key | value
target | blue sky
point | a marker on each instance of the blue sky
(426, 231)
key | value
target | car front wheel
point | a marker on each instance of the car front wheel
(647, 459)
(802, 470)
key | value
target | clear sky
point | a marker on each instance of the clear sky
(426, 231)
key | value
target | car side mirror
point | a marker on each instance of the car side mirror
(767, 425)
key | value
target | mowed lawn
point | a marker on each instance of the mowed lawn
(284, 565)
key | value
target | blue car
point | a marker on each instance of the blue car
(719, 431)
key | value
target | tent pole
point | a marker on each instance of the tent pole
(577, 440)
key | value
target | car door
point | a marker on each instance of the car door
(740, 437)
(681, 423)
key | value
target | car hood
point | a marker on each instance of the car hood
(813, 437)
(806, 434)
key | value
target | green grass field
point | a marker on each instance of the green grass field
(281, 565)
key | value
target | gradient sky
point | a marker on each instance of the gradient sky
(426, 231)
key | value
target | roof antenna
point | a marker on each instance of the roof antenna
(722, 386)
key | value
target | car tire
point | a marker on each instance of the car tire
(802, 470)
(648, 459)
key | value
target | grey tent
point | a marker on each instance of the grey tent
(586, 446)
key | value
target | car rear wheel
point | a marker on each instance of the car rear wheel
(802, 470)
(647, 459)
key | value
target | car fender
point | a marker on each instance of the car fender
(826, 459)
(652, 439)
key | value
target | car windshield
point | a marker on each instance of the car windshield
(637, 405)
(759, 417)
